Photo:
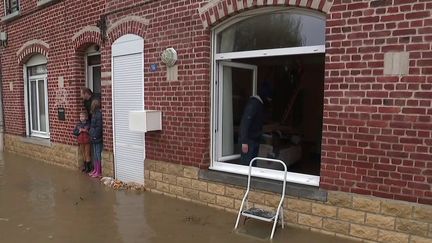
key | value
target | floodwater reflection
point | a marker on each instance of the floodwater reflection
(45, 203)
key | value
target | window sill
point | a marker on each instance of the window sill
(11, 16)
(292, 189)
(37, 141)
(43, 3)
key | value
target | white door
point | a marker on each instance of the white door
(128, 95)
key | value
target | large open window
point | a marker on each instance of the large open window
(284, 49)
(37, 97)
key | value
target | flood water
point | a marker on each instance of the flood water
(46, 203)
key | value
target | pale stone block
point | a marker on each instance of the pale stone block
(237, 204)
(272, 200)
(216, 188)
(184, 182)
(256, 197)
(176, 190)
(417, 239)
(340, 199)
(174, 169)
(149, 164)
(336, 226)
(364, 232)
(397, 209)
(412, 227)
(170, 179)
(207, 197)
(172, 73)
(303, 3)
(225, 201)
(309, 220)
(150, 184)
(155, 176)
(396, 63)
(161, 167)
(366, 204)
(423, 213)
(391, 236)
(327, 6)
(199, 185)
(351, 215)
(299, 205)
(291, 216)
(190, 172)
(191, 193)
(380, 221)
(234, 192)
(163, 187)
(323, 210)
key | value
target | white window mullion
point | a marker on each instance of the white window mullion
(271, 52)
(37, 105)
(30, 105)
(46, 105)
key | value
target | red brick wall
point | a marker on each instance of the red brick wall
(376, 131)
(54, 25)
(185, 103)
(377, 128)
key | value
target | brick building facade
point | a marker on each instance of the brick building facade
(374, 107)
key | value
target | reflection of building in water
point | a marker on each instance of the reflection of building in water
(131, 218)
(42, 196)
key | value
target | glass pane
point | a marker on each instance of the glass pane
(42, 108)
(93, 60)
(33, 106)
(237, 88)
(37, 70)
(274, 30)
(97, 80)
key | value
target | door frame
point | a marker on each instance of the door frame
(125, 48)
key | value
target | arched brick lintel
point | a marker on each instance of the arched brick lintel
(217, 10)
(31, 48)
(85, 37)
(128, 25)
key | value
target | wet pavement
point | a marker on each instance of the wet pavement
(46, 203)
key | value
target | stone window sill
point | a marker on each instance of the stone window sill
(43, 3)
(37, 141)
(11, 16)
(292, 189)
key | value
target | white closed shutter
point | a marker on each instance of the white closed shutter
(128, 91)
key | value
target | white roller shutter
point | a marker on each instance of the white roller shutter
(128, 95)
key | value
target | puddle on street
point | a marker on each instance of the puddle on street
(46, 203)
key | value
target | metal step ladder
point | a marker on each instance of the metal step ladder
(258, 213)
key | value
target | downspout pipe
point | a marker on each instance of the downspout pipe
(1, 101)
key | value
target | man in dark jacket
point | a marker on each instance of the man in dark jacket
(88, 97)
(251, 124)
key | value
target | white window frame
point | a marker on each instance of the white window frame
(5, 8)
(38, 133)
(298, 178)
(218, 126)
(89, 69)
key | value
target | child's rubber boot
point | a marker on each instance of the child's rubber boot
(85, 167)
(98, 170)
(89, 167)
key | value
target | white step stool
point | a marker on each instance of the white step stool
(261, 214)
